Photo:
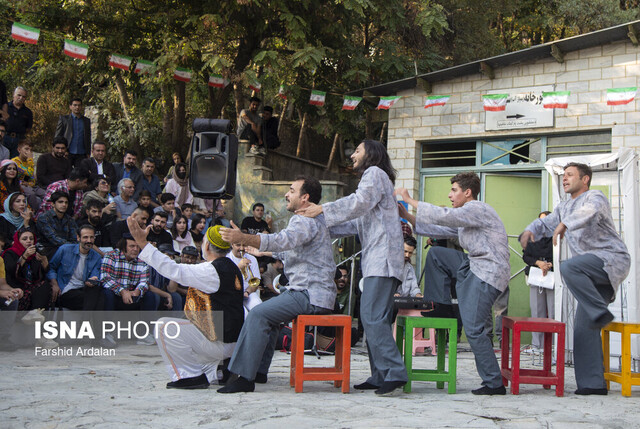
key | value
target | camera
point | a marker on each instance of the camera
(40, 248)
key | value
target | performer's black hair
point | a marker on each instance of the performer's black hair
(375, 154)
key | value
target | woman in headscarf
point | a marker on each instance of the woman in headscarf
(16, 214)
(9, 182)
(180, 233)
(26, 270)
(177, 158)
(178, 185)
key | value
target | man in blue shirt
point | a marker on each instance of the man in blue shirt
(150, 181)
(76, 128)
(75, 270)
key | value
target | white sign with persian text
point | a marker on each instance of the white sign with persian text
(524, 110)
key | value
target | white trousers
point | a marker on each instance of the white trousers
(252, 301)
(190, 353)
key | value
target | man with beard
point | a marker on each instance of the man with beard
(97, 165)
(93, 216)
(342, 298)
(157, 233)
(127, 170)
(54, 166)
(74, 186)
(120, 228)
(305, 248)
(409, 286)
(250, 127)
(74, 270)
(150, 181)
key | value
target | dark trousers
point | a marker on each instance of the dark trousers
(85, 299)
(76, 159)
(114, 302)
(41, 297)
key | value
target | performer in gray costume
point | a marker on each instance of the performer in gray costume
(481, 275)
(599, 264)
(304, 246)
(371, 213)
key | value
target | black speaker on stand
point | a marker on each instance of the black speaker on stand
(214, 155)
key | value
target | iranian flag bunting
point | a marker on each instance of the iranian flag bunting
(25, 33)
(120, 61)
(76, 49)
(183, 75)
(436, 100)
(255, 86)
(386, 102)
(317, 98)
(281, 93)
(555, 100)
(217, 81)
(144, 67)
(618, 96)
(495, 102)
(350, 103)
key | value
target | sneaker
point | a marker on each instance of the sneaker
(254, 150)
(146, 341)
(262, 150)
(33, 316)
(46, 344)
(530, 350)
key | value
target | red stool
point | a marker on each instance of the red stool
(340, 372)
(542, 376)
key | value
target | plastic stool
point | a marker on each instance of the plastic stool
(340, 372)
(625, 377)
(542, 376)
(404, 334)
(419, 342)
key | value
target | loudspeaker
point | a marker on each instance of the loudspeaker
(214, 155)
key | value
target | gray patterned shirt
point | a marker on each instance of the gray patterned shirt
(479, 230)
(304, 247)
(409, 286)
(590, 229)
(372, 213)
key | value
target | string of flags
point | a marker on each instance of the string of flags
(491, 102)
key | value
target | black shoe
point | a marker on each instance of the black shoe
(199, 382)
(260, 378)
(589, 391)
(241, 384)
(365, 386)
(389, 386)
(485, 390)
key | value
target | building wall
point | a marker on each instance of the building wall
(586, 73)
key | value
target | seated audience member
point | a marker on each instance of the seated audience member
(176, 158)
(270, 128)
(255, 224)
(342, 298)
(272, 270)
(125, 278)
(56, 227)
(187, 211)
(150, 181)
(10, 297)
(127, 170)
(27, 175)
(100, 192)
(158, 233)
(74, 187)
(188, 256)
(9, 182)
(250, 127)
(178, 185)
(74, 272)
(17, 214)
(163, 289)
(125, 205)
(4, 152)
(53, 167)
(119, 228)
(26, 270)
(93, 215)
(168, 205)
(198, 225)
(97, 165)
(144, 202)
(180, 233)
(248, 265)
(409, 286)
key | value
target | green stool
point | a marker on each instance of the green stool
(404, 333)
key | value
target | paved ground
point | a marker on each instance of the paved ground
(128, 390)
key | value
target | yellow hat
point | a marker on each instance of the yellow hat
(213, 235)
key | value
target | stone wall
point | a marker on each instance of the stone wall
(587, 73)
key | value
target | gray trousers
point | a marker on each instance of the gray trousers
(376, 313)
(475, 300)
(589, 283)
(260, 331)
